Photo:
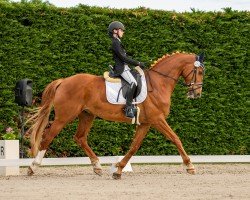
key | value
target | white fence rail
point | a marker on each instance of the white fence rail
(134, 159)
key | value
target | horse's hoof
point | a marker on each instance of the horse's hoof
(30, 172)
(116, 176)
(98, 171)
(190, 168)
(191, 171)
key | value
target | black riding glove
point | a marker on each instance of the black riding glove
(142, 65)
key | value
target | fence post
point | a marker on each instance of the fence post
(9, 149)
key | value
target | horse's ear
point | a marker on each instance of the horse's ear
(201, 57)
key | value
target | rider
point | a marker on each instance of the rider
(116, 30)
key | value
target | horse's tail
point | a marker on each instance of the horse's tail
(41, 115)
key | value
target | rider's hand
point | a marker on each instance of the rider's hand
(142, 65)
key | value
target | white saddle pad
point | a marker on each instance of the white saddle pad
(112, 90)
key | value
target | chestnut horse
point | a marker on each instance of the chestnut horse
(83, 96)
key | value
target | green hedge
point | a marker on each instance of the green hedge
(43, 43)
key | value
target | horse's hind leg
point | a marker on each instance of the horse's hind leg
(165, 129)
(85, 123)
(47, 138)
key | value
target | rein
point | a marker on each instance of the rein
(193, 81)
(176, 80)
(166, 76)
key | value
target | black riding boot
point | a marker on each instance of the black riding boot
(129, 110)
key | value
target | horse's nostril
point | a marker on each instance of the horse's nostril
(190, 95)
(198, 95)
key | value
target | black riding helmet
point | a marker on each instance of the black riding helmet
(115, 25)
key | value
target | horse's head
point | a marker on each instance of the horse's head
(193, 74)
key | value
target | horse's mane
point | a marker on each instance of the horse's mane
(166, 56)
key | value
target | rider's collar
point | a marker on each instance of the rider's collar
(116, 37)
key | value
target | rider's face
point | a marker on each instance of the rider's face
(119, 33)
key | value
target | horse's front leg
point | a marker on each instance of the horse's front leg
(85, 123)
(166, 130)
(140, 134)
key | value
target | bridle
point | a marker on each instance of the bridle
(197, 64)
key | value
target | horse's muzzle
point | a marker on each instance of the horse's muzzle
(192, 94)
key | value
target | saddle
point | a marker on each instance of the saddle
(137, 73)
(116, 89)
